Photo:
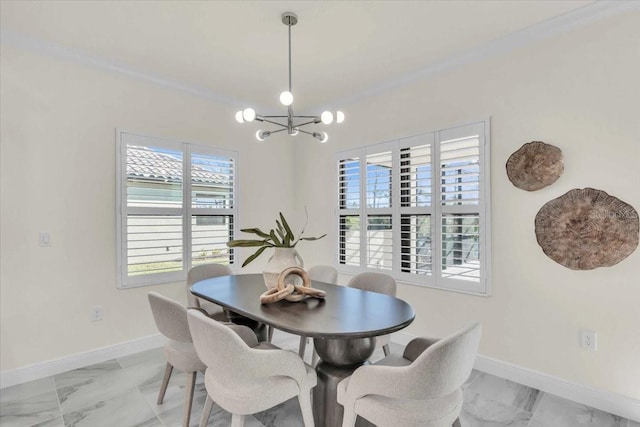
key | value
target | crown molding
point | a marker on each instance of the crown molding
(557, 25)
(43, 47)
(554, 26)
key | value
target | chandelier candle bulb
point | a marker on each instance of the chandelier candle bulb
(261, 135)
(286, 98)
(249, 114)
(239, 117)
(321, 136)
(326, 117)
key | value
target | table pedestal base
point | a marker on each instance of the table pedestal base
(340, 357)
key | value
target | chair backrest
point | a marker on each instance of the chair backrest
(219, 347)
(375, 282)
(170, 317)
(323, 273)
(445, 366)
(202, 272)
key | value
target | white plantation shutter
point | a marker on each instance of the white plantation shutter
(416, 198)
(415, 244)
(416, 174)
(349, 203)
(379, 242)
(349, 183)
(212, 181)
(418, 208)
(461, 246)
(153, 176)
(212, 195)
(154, 244)
(176, 208)
(378, 208)
(460, 171)
(463, 195)
(379, 180)
(350, 240)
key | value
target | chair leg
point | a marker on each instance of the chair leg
(456, 423)
(303, 346)
(237, 420)
(349, 418)
(386, 349)
(269, 333)
(305, 407)
(165, 382)
(188, 398)
(206, 412)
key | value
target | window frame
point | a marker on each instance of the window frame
(186, 211)
(435, 210)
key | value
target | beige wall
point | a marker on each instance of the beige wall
(58, 175)
(580, 92)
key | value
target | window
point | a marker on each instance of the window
(418, 208)
(176, 208)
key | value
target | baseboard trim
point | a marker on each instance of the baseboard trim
(53, 367)
(605, 401)
(612, 403)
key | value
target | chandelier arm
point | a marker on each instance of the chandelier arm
(304, 131)
(274, 123)
(277, 117)
(306, 123)
(279, 130)
(306, 117)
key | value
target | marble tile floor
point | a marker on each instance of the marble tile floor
(123, 392)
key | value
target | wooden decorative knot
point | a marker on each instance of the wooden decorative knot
(291, 292)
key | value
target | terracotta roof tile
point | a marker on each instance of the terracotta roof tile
(154, 165)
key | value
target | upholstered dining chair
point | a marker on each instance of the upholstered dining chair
(383, 284)
(421, 388)
(202, 272)
(323, 273)
(244, 380)
(171, 320)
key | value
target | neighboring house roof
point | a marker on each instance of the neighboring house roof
(149, 164)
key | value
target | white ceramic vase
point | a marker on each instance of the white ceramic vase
(282, 259)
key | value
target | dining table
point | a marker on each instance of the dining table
(343, 326)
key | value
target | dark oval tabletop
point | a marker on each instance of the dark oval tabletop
(344, 313)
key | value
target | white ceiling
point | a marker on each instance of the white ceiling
(238, 49)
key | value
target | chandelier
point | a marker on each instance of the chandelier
(293, 123)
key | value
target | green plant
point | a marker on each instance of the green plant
(279, 237)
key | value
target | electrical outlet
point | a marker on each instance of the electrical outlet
(589, 339)
(44, 238)
(96, 313)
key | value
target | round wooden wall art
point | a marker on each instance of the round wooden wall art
(586, 229)
(535, 165)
